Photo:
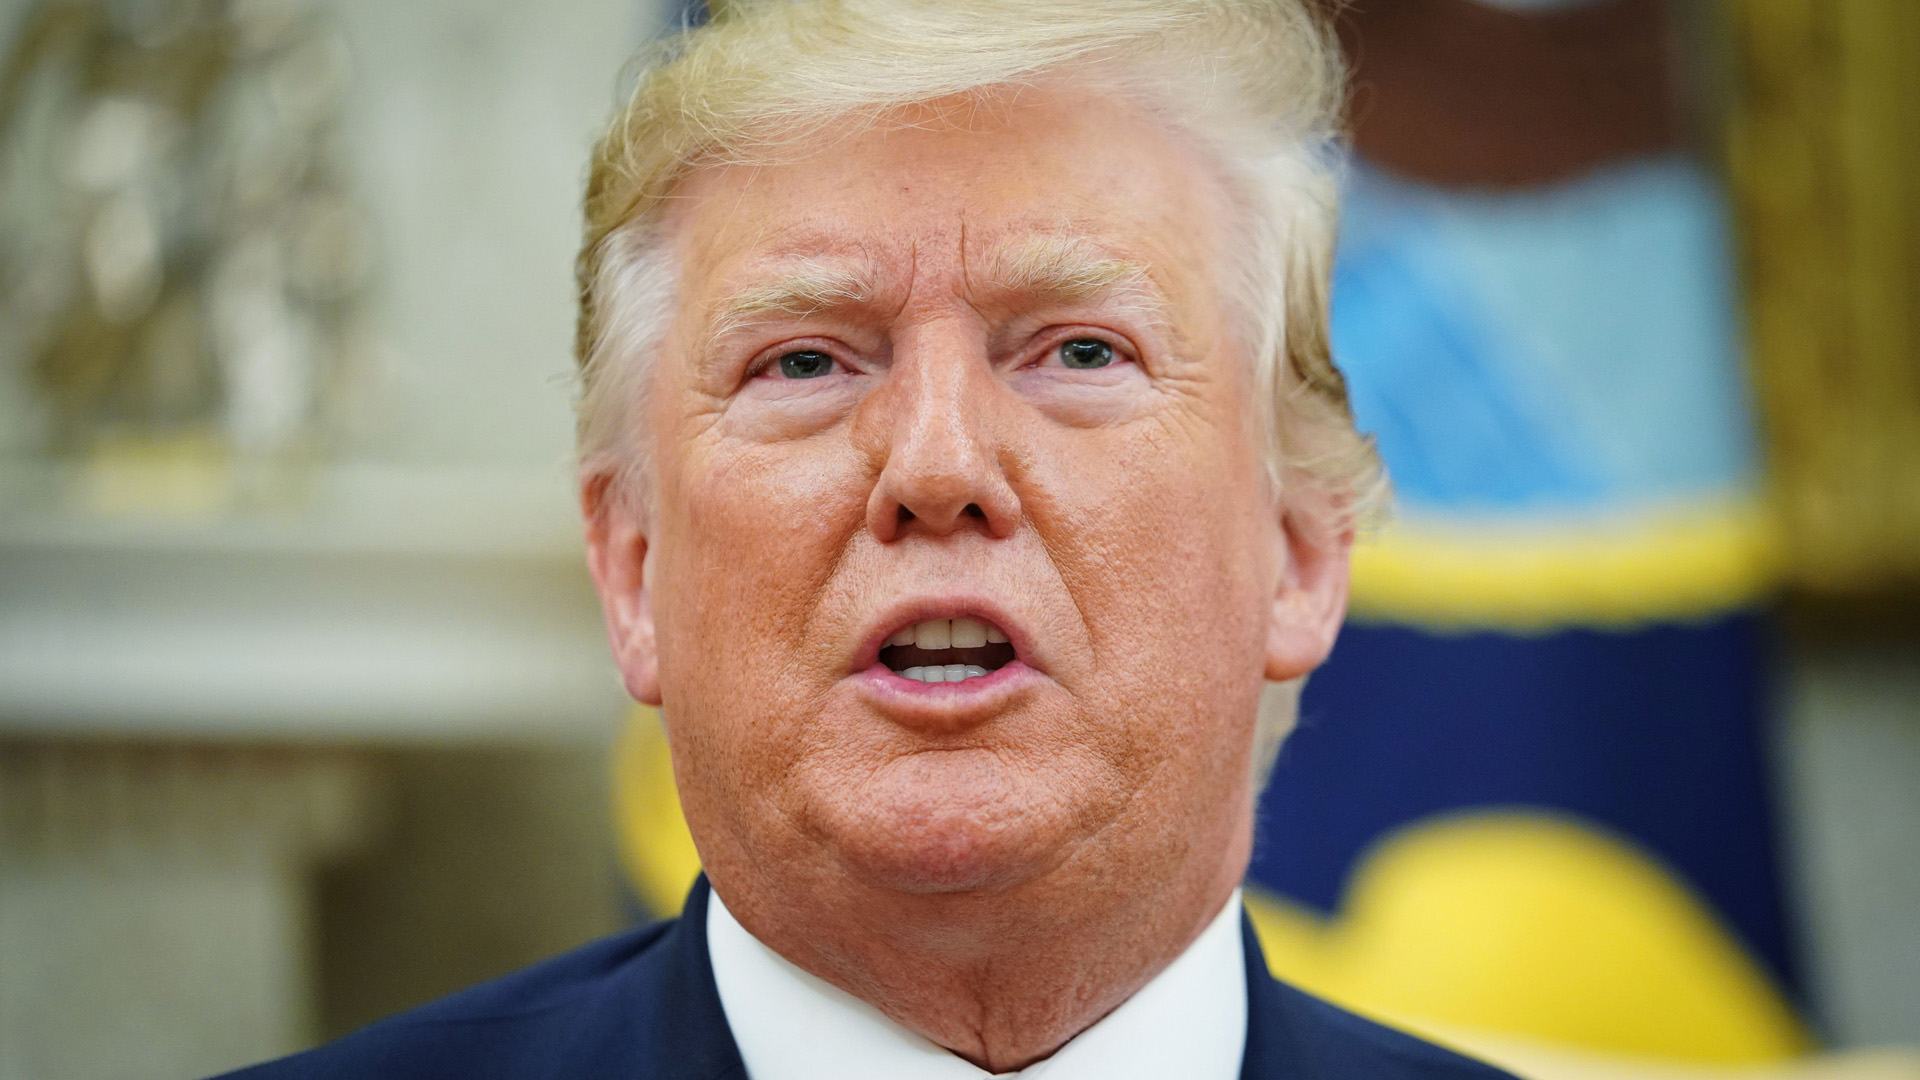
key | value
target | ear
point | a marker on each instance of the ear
(1309, 600)
(617, 557)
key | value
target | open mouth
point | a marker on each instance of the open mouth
(947, 650)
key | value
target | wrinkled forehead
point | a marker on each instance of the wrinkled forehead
(1046, 183)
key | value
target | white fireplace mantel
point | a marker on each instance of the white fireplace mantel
(381, 604)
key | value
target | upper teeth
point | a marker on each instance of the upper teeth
(936, 634)
(949, 634)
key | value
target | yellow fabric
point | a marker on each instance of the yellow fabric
(1535, 927)
(655, 847)
(1535, 1059)
(1517, 575)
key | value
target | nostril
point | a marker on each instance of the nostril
(973, 511)
(903, 516)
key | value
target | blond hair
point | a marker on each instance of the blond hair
(1256, 82)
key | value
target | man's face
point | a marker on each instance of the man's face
(959, 402)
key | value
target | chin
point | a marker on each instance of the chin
(952, 822)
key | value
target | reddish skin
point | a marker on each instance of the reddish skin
(995, 867)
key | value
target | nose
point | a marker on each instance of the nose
(943, 472)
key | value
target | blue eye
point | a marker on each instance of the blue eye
(805, 364)
(1086, 353)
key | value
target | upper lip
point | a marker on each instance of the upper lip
(905, 612)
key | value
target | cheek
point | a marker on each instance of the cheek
(1159, 536)
(748, 538)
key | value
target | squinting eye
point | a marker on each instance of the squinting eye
(805, 364)
(1086, 353)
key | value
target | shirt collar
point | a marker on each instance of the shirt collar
(1190, 1020)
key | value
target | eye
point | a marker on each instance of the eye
(1082, 353)
(805, 364)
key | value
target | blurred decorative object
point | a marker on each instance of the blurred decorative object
(1565, 761)
(182, 265)
(1545, 727)
(1825, 152)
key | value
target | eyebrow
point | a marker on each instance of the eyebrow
(808, 289)
(1065, 268)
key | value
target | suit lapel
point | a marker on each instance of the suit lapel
(662, 1019)
(1272, 1052)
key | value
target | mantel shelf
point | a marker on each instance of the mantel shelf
(386, 604)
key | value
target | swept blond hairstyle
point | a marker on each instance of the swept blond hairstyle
(1256, 82)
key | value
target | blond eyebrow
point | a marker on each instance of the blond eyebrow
(1064, 268)
(808, 289)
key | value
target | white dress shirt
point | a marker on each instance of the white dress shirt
(1189, 1021)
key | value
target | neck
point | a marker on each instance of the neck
(1005, 978)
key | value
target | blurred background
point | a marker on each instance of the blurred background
(305, 714)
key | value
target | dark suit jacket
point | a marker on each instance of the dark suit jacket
(643, 1006)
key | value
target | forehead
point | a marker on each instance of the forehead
(932, 192)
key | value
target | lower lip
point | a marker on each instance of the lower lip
(1000, 680)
